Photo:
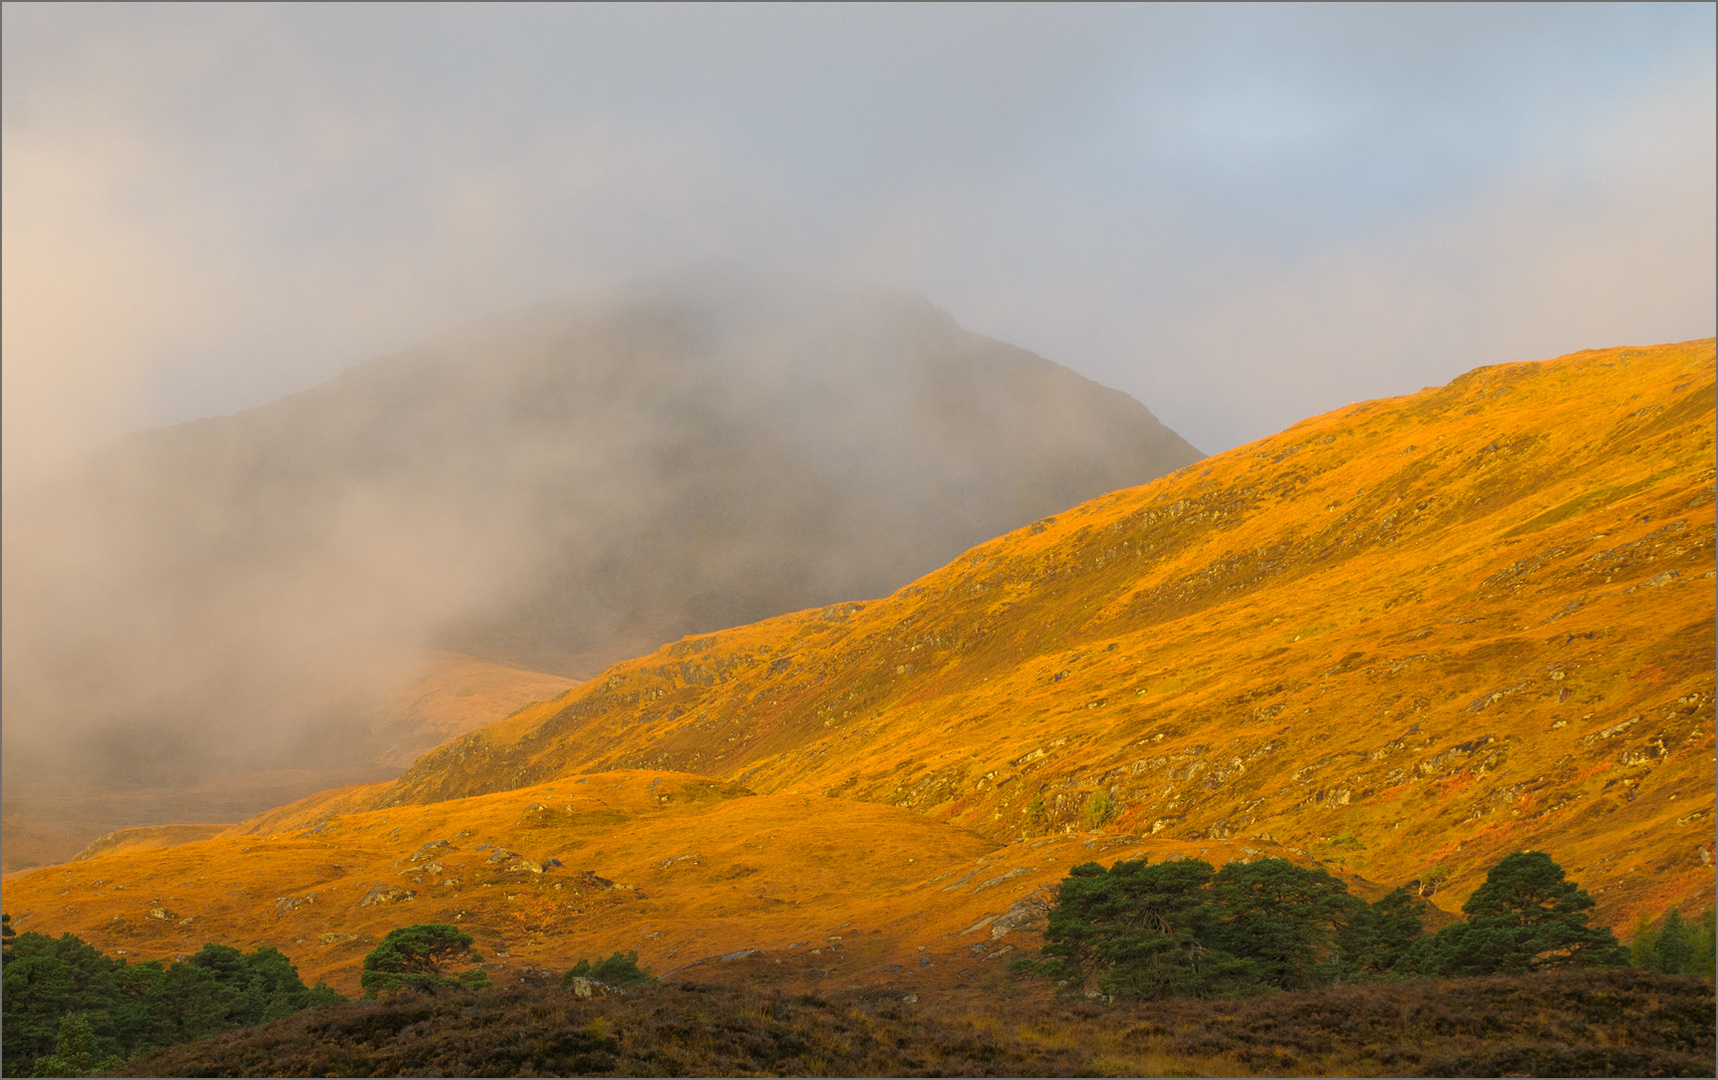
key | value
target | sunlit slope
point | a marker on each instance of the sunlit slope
(1409, 636)
(684, 869)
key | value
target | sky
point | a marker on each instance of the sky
(1241, 215)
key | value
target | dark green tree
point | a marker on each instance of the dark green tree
(45, 980)
(621, 969)
(1378, 935)
(1525, 917)
(1135, 929)
(77, 1052)
(130, 1007)
(1283, 918)
(1706, 944)
(1675, 944)
(412, 958)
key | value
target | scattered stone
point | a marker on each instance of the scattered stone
(1026, 911)
(386, 894)
(430, 850)
(1000, 878)
(911, 999)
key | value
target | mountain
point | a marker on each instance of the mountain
(1400, 640)
(1411, 635)
(552, 490)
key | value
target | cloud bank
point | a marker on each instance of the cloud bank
(1240, 215)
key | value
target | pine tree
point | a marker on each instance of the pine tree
(1675, 944)
(76, 1053)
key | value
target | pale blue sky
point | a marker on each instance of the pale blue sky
(1241, 215)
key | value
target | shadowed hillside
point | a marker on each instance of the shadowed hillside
(434, 697)
(554, 490)
(1399, 641)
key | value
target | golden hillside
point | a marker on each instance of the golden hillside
(1403, 639)
(1410, 635)
(685, 869)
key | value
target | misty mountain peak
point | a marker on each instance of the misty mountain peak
(557, 488)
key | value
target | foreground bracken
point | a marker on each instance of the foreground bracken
(1605, 1023)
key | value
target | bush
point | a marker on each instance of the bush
(411, 958)
(1098, 809)
(621, 969)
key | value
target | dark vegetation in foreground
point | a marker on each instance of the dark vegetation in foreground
(1183, 929)
(1258, 967)
(70, 1010)
(1595, 1022)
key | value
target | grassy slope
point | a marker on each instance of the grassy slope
(1411, 634)
(686, 870)
(1448, 626)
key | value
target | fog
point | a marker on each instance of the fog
(551, 333)
(1240, 215)
(556, 488)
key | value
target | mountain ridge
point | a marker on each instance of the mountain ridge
(1191, 529)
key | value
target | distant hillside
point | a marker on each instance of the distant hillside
(428, 699)
(1408, 636)
(554, 490)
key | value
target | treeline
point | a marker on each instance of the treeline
(68, 1010)
(1184, 929)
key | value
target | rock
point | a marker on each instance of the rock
(500, 855)
(430, 850)
(1027, 910)
(335, 939)
(585, 879)
(911, 999)
(583, 987)
(386, 894)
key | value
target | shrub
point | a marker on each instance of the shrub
(1098, 809)
(411, 958)
(621, 969)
